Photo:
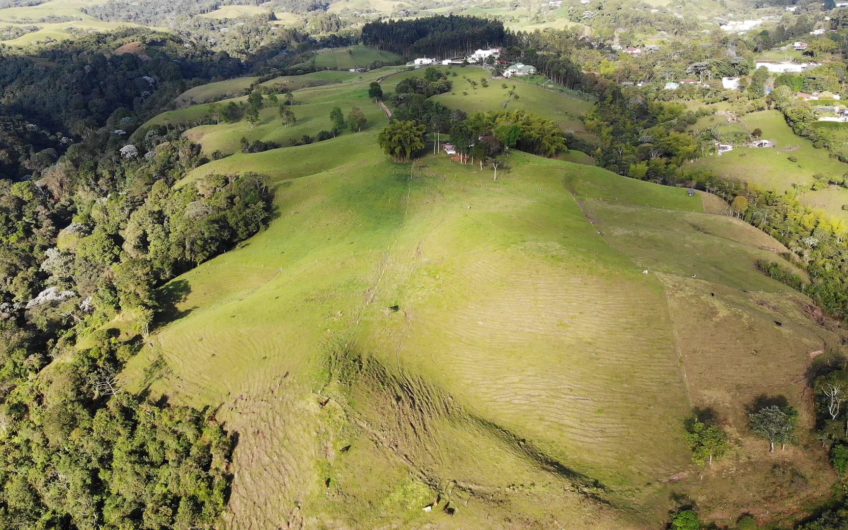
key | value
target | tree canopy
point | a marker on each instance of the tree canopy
(401, 139)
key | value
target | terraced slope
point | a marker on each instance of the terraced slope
(404, 335)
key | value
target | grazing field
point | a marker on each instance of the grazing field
(312, 112)
(230, 88)
(352, 57)
(523, 351)
(773, 169)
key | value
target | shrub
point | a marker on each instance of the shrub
(839, 457)
(792, 158)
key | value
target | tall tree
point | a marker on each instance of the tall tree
(356, 119)
(775, 424)
(337, 119)
(375, 90)
(706, 442)
(401, 139)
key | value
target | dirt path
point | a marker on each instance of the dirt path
(385, 108)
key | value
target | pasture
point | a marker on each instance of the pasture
(402, 333)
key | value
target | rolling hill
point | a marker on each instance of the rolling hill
(420, 346)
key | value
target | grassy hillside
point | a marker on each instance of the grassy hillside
(562, 108)
(30, 15)
(406, 334)
(772, 168)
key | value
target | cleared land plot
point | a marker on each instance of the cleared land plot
(352, 57)
(230, 88)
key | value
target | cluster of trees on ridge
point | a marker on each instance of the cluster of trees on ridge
(434, 36)
(482, 136)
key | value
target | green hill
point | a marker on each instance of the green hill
(522, 352)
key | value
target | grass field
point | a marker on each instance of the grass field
(30, 15)
(352, 57)
(202, 94)
(772, 169)
(405, 333)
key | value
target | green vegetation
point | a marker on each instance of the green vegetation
(706, 441)
(401, 139)
(775, 424)
(516, 341)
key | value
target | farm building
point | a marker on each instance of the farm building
(672, 86)
(762, 143)
(449, 149)
(423, 61)
(634, 52)
(723, 148)
(799, 46)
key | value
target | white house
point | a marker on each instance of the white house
(799, 46)
(520, 70)
(730, 83)
(671, 86)
(792, 9)
(481, 55)
(740, 26)
(555, 3)
(817, 32)
(585, 2)
(423, 61)
(449, 149)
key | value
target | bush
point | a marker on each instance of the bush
(685, 520)
(839, 457)
(792, 158)
(747, 522)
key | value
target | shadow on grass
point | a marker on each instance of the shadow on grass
(168, 296)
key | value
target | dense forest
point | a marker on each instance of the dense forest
(440, 37)
(90, 226)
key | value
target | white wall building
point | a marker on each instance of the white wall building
(730, 83)
(784, 67)
(741, 26)
(481, 55)
(423, 61)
